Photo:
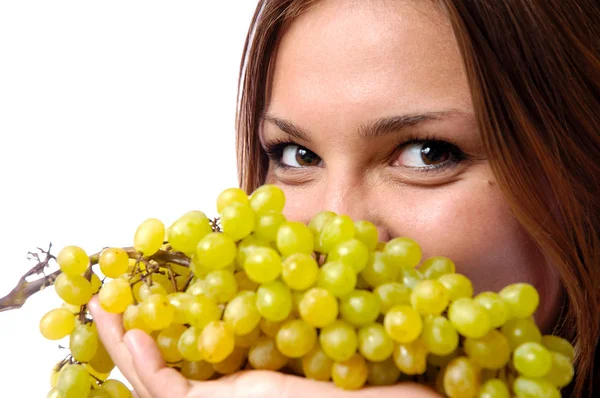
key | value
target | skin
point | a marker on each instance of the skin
(340, 67)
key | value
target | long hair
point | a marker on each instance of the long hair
(533, 68)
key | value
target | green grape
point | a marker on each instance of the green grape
(113, 262)
(262, 264)
(491, 351)
(274, 301)
(202, 311)
(367, 233)
(560, 345)
(245, 283)
(494, 388)
(83, 342)
(73, 260)
(392, 294)
(461, 378)
(215, 251)
(350, 374)
(436, 266)
(57, 323)
(384, 373)
(403, 323)
(497, 309)
(316, 365)
(101, 362)
(522, 299)
(294, 237)
(408, 277)
(561, 371)
(530, 388)
(157, 313)
(411, 358)
(267, 225)
(519, 331)
(266, 198)
(352, 252)
(133, 319)
(360, 308)
(374, 343)
(216, 342)
(187, 230)
(187, 345)
(115, 296)
(457, 285)
(238, 221)
(180, 302)
(337, 277)
(299, 271)
(247, 340)
(233, 362)
(339, 229)
(116, 389)
(532, 360)
(146, 290)
(318, 307)
(440, 337)
(197, 370)
(73, 382)
(339, 340)
(241, 313)
(403, 252)
(379, 270)
(220, 286)
(230, 196)
(167, 341)
(469, 318)
(265, 355)
(246, 245)
(429, 297)
(73, 289)
(316, 225)
(149, 236)
(295, 338)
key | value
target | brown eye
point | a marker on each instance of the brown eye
(435, 153)
(428, 154)
(297, 156)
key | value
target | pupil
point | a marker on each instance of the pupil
(305, 157)
(434, 153)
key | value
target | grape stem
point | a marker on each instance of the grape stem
(25, 289)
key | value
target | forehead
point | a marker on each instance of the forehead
(372, 56)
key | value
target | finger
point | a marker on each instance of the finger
(111, 331)
(160, 380)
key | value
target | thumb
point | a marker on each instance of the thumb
(159, 379)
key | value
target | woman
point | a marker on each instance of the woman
(472, 127)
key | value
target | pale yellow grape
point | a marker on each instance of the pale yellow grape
(274, 301)
(57, 323)
(561, 371)
(83, 342)
(360, 308)
(519, 331)
(350, 374)
(149, 236)
(497, 309)
(230, 196)
(338, 340)
(187, 230)
(101, 362)
(522, 299)
(494, 388)
(113, 262)
(266, 198)
(409, 276)
(215, 251)
(403, 252)
(115, 296)
(340, 228)
(295, 338)
(96, 283)
(187, 344)
(238, 221)
(73, 260)
(411, 358)
(337, 277)
(392, 294)
(241, 313)
(180, 301)
(366, 232)
(532, 360)
(72, 308)
(246, 245)
(73, 289)
(435, 266)
(73, 382)
(374, 343)
(146, 290)
(384, 373)
(403, 323)
(527, 388)
(134, 319)
(440, 337)
(158, 314)
(267, 225)
(457, 285)
(317, 223)
(352, 252)
(197, 370)
(201, 311)
(559, 344)
(294, 237)
(316, 365)
(216, 341)
(97, 393)
(270, 328)
(247, 340)
(429, 297)
(245, 283)
(299, 271)
(167, 342)
(461, 378)
(116, 389)
(262, 264)
(318, 307)
(54, 393)
(265, 355)
(491, 351)
(233, 362)
(379, 270)
(220, 286)
(469, 318)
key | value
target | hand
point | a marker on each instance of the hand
(139, 360)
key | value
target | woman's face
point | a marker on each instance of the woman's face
(370, 115)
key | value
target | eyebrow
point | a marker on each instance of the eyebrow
(378, 128)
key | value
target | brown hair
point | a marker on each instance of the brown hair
(534, 72)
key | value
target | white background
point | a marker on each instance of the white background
(110, 112)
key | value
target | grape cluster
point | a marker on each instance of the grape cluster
(327, 301)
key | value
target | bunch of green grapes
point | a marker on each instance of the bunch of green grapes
(327, 301)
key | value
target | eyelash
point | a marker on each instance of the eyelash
(274, 151)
